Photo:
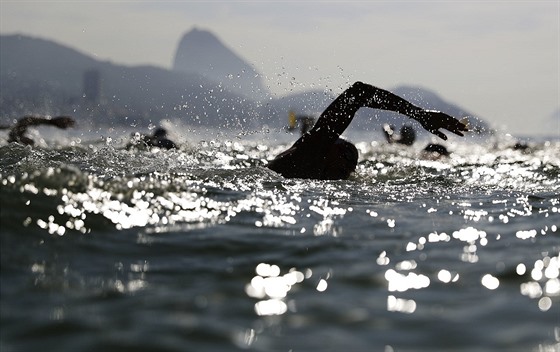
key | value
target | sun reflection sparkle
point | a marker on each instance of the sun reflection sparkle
(401, 283)
(490, 282)
(545, 283)
(395, 304)
(271, 288)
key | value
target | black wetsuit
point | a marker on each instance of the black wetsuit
(308, 155)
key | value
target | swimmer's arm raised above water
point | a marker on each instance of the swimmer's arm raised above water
(338, 115)
(17, 132)
(59, 121)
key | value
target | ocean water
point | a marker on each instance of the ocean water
(205, 249)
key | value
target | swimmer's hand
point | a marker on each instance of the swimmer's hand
(433, 120)
(62, 122)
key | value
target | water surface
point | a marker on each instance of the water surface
(205, 249)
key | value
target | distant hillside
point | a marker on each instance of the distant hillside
(39, 76)
(203, 53)
(428, 99)
(42, 77)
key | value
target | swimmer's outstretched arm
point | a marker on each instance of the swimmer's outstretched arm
(338, 115)
(59, 121)
(17, 132)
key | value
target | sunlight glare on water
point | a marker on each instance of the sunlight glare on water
(215, 251)
(272, 288)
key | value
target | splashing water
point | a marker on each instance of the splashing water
(204, 248)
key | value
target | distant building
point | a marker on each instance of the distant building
(92, 86)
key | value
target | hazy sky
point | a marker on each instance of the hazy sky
(497, 59)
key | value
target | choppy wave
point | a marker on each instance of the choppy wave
(210, 183)
(207, 249)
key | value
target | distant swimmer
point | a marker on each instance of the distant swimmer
(435, 151)
(18, 131)
(407, 135)
(322, 154)
(158, 139)
(522, 146)
(305, 122)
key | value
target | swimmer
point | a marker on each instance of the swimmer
(407, 135)
(18, 131)
(435, 151)
(322, 154)
(522, 146)
(305, 122)
(158, 139)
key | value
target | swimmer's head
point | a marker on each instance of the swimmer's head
(341, 160)
(435, 151)
(407, 135)
(160, 133)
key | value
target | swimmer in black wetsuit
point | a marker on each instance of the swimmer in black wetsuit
(17, 132)
(322, 154)
(435, 151)
(407, 135)
(305, 122)
(158, 139)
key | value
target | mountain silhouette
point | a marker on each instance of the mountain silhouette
(201, 52)
(39, 76)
